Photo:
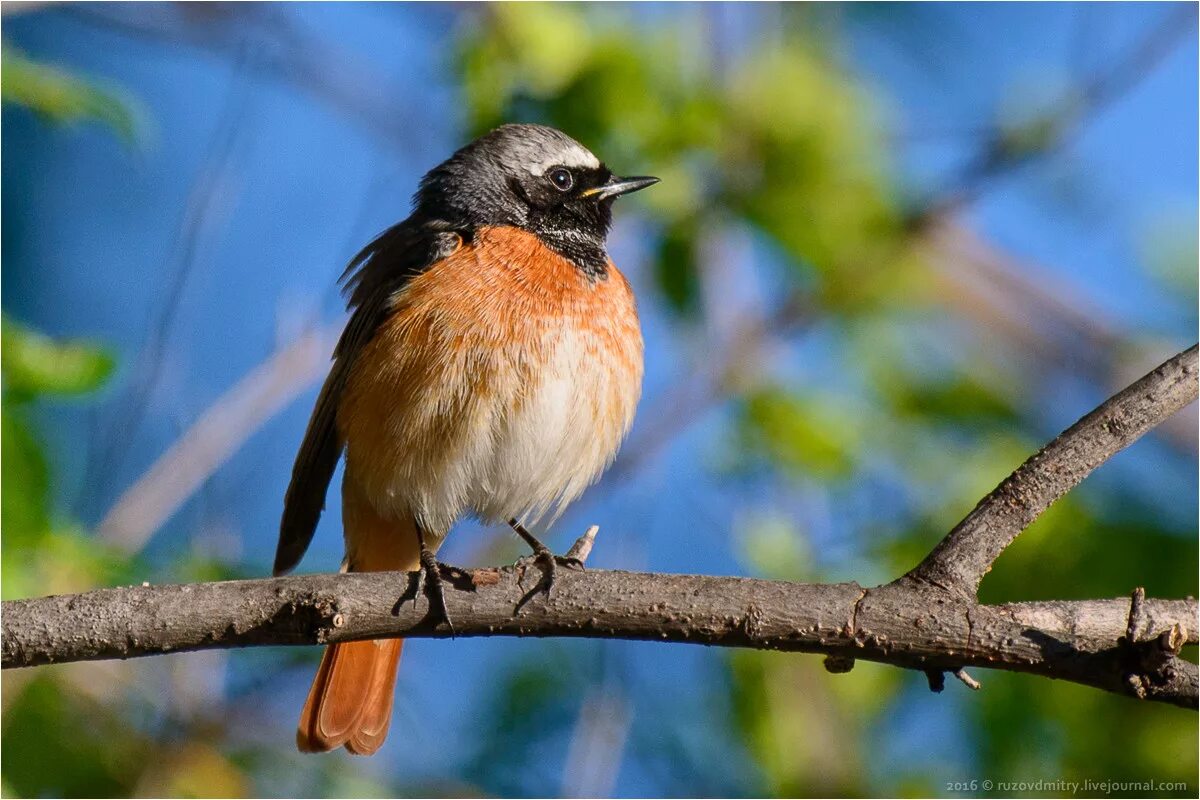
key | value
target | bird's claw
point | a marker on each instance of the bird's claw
(429, 583)
(545, 560)
(548, 564)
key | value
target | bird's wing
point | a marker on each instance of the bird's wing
(372, 279)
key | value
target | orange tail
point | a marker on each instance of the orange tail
(350, 702)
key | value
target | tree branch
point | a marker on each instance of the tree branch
(929, 620)
(909, 626)
(960, 561)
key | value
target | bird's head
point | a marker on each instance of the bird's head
(535, 178)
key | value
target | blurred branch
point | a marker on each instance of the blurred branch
(1046, 319)
(960, 561)
(1008, 148)
(597, 742)
(210, 194)
(214, 437)
(286, 51)
(217, 434)
(9, 9)
(928, 620)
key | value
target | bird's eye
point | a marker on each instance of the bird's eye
(562, 179)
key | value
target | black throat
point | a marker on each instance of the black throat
(582, 248)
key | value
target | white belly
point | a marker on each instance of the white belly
(555, 440)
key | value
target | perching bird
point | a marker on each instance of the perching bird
(491, 367)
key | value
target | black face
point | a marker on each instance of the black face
(535, 178)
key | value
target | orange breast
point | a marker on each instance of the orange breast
(501, 385)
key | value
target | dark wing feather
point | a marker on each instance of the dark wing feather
(371, 280)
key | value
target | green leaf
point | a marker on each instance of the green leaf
(66, 560)
(62, 98)
(34, 364)
(677, 271)
(774, 546)
(817, 436)
(101, 758)
(25, 501)
(961, 399)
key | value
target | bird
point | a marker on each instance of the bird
(491, 367)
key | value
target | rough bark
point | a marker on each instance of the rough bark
(906, 624)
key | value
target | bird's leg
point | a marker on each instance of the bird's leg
(431, 573)
(544, 558)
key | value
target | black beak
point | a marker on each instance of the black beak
(619, 186)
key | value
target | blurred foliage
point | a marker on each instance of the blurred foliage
(535, 703)
(33, 364)
(1172, 252)
(96, 760)
(65, 99)
(44, 554)
(777, 144)
(91, 722)
(41, 553)
(77, 730)
(799, 432)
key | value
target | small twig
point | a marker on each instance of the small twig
(1172, 641)
(583, 545)
(201, 217)
(965, 677)
(1137, 602)
(1150, 661)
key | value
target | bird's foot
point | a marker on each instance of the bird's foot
(430, 583)
(548, 564)
(544, 560)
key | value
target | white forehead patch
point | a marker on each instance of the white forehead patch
(573, 155)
